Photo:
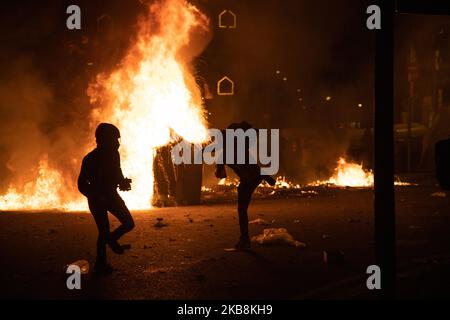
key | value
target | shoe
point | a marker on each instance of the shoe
(116, 247)
(243, 244)
(102, 268)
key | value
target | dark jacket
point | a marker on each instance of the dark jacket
(100, 173)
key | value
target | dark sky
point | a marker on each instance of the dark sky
(320, 46)
(314, 42)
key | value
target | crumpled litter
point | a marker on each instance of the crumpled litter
(278, 236)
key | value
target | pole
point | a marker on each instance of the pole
(384, 201)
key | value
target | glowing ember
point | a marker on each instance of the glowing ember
(402, 183)
(281, 182)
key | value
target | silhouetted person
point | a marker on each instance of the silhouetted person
(249, 179)
(99, 178)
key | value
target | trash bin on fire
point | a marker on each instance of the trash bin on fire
(175, 184)
(189, 182)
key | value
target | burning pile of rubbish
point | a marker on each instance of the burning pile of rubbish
(347, 175)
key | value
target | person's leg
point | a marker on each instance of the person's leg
(118, 209)
(100, 214)
(245, 191)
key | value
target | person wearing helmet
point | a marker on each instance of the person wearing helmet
(249, 179)
(99, 178)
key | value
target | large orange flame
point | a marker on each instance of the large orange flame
(43, 193)
(351, 175)
(152, 91)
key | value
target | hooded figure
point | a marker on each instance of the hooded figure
(99, 178)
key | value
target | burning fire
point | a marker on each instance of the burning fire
(42, 193)
(351, 175)
(345, 175)
(152, 91)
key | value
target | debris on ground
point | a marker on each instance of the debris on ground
(259, 221)
(277, 236)
(439, 194)
(159, 269)
(160, 223)
(82, 264)
(296, 221)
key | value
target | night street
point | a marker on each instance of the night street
(186, 259)
(193, 150)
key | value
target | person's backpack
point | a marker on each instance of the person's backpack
(442, 161)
